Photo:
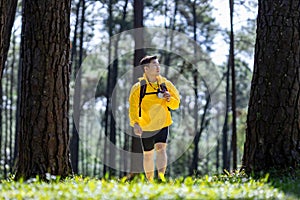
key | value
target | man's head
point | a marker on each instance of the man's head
(151, 65)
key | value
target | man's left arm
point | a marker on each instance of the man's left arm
(174, 96)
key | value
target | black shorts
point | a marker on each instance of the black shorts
(150, 138)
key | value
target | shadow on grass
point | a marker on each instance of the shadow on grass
(288, 182)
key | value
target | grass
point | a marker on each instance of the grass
(230, 186)
(287, 181)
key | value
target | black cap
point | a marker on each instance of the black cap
(147, 59)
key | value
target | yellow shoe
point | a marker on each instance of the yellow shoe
(150, 180)
(162, 177)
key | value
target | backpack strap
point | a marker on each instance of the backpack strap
(164, 88)
(143, 87)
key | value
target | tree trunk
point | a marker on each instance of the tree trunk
(217, 155)
(44, 104)
(233, 91)
(225, 164)
(113, 81)
(7, 17)
(172, 26)
(194, 164)
(112, 131)
(136, 161)
(272, 136)
(138, 36)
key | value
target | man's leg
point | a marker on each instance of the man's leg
(161, 159)
(149, 164)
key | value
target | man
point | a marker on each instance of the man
(149, 103)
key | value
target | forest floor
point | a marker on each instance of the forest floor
(228, 186)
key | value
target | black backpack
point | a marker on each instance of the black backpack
(143, 88)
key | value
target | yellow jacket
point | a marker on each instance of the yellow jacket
(155, 114)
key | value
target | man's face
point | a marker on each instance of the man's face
(153, 68)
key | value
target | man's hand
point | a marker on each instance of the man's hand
(167, 96)
(137, 129)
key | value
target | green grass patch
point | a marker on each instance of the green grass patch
(230, 186)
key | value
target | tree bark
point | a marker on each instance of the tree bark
(7, 17)
(44, 104)
(272, 136)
